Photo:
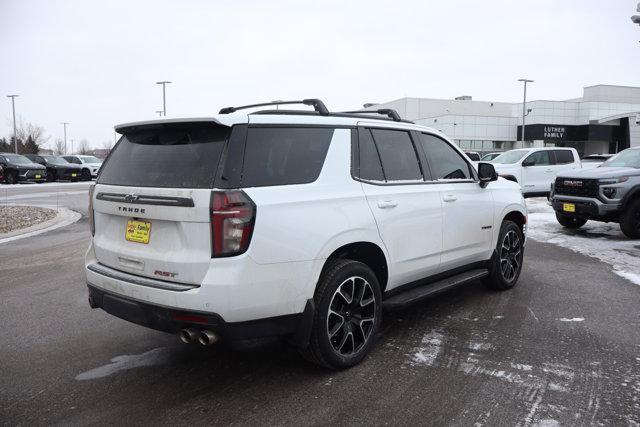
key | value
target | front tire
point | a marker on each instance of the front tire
(506, 264)
(630, 220)
(85, 175)
(570, 221)
(347, 316)
(12, 177)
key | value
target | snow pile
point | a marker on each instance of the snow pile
(600, 240)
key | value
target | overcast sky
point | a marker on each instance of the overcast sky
(95, 63)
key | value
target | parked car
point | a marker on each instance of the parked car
(489, 156)
(474, 156)
(608, 193)
(536, 168)
(90, 165)
(303, 224)
(18, 168)
(594, 160)
(57, 167)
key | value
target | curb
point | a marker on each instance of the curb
(63, 218)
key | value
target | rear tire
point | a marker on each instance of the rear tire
(630, 220)
(570, 221)
(506, 264)
(51, 177)
(347, 316)
(12, 177)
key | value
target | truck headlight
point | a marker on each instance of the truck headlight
(607, 181)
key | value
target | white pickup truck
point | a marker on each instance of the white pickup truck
(536, 168)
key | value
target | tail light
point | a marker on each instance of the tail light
(92, 224)
(233, 215)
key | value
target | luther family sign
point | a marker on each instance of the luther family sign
(554, 132)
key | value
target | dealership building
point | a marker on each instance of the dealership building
(606, 119)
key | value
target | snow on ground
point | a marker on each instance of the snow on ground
(600, 240)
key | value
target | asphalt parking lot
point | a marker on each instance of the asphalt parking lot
(562, 348)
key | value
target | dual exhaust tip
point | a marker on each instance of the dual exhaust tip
(190, 335)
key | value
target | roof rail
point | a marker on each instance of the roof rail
(392, 114)
(316, 103)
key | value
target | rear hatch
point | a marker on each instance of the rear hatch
(152, 199)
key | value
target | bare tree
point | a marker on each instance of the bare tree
(83, 146)
(58, 147)
(107, 146)
(26, 131)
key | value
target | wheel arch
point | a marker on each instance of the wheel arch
(632, 194)
(368, 253)
(517, 216)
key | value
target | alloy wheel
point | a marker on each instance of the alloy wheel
(510, 255)
(351, 316)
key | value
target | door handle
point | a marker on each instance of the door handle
(449, 198)
(385, 204)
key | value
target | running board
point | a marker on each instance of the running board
(422, 292)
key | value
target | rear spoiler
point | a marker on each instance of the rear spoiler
(226, 121)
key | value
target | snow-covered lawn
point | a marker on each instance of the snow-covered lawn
(600, 240)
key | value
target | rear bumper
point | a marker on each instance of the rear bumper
(171, 320)
(237, 289)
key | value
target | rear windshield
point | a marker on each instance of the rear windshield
(172, 155)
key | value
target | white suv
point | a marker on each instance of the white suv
(90, 165)
(536, 168)
(297, 223)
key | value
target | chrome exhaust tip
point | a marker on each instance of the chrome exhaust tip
(188, 336)
(207, 337)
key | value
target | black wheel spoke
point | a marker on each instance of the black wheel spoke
(510, 255)
(351, 316)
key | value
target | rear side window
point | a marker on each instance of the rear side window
(563, 156)
(171, 155)
(444, 161)
(398, 155)
(284, 155)
(370, 167)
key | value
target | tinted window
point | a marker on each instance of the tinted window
(563, 156)
(280, 156)
(370, 167)
(510, 157)
(398, 155)
(170, 155)
(473, 156)
(444, 161)
(539, 158)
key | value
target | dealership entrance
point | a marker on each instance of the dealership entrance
(586, 139)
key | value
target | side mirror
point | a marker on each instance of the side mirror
(486, 173)
(528, 163)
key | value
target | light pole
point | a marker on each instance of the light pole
(64, 124)
(13, 107)
(164, 102)
(524, 104)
